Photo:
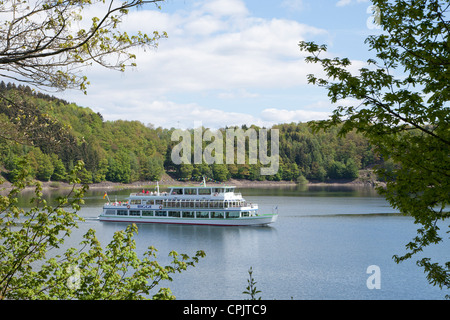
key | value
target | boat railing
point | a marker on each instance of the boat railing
(241, 205)
(194, 194)
(117, 204)
(251, 205)
(149, 193)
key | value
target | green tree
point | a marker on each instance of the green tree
(336, 170)
(154, 168)
(43, 166)
(402, 107)
(351, 169)
(99, 174)
(301, 180)
(59, 172)
(84, 272)
(17, 166)
(119, 168)
(220, 172)
(204, 170)
(184, 171)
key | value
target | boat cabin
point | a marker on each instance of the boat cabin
(222, 192)
(201, 191)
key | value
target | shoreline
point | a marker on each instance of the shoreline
(365, 179)
(107, 185)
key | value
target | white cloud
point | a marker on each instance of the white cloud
(214, 50)
(225, 8)
(287, 116)
(170, 114)
(205, 52)
(240, 93)
(294, 5)
(342, 3)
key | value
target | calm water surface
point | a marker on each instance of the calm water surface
(320, 247)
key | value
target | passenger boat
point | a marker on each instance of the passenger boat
(202, 205)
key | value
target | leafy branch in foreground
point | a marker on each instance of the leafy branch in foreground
(110, 279)
(46, 43)
(400, 103)
(27, 237)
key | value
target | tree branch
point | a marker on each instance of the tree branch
(406, 120)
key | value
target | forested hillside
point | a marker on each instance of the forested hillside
(59, 133)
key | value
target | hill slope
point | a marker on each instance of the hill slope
(56, 134)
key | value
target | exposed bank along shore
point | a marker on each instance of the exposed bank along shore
(366, 178)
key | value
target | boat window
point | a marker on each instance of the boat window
(151, 202)
(204, 191)
(245, 213)
(177, 191)
(172, 204)
(122, 212)
(110, 212)
(188, 214)
(147, 213)
(203, 214)
(158, 201)
(218, 190)
(232, 214)
(134, 201)
(175, 214)
(161, 213)
(135, 213)
(190, 191)
(217, 214)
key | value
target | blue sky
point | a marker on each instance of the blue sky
(229, 62)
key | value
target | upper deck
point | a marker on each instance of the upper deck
(192, 192)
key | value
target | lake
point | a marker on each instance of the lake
(321, 247)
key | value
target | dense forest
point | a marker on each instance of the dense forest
(128, 151)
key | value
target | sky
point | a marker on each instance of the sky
(229, 62)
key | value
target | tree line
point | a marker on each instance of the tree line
(128, 151)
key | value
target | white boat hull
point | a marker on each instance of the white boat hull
(245, 221)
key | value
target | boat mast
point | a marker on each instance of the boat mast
(157, 188)
(204, 181)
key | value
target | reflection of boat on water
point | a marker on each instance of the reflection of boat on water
(188, 205)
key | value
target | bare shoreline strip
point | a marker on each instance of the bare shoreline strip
(6, 187)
